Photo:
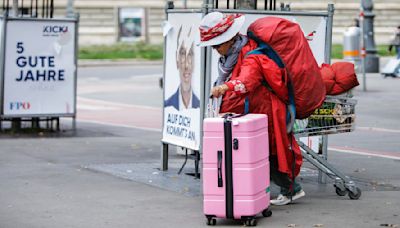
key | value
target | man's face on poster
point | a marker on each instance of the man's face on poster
(185, 62)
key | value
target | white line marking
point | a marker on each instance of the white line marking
(95, 107)
(378, 129)
(146, 76)
(349, 151)
(100, 102)
(120, 125)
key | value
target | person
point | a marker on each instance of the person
(184, 97)
(239, 81)
(396, 42)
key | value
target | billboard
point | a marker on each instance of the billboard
(131, 24)
(181, 124)
(39, 71)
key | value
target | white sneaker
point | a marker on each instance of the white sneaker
(283, 200)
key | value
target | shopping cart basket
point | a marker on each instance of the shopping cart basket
(336, 115)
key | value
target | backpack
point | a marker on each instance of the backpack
(283, 41)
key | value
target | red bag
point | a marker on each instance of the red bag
(328, 76)
(339, 77)
(345, 77)
(287, 40)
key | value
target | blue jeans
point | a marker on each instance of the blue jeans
(282, 179)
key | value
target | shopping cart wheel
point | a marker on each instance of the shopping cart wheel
(356, 195)
(340, 192)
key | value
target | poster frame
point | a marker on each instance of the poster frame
(202, 71)
(7, 19)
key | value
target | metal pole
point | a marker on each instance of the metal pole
(185, 4)
(51, 8)
(164, 146)
(234, 4)
(363, 52)
(22, 8)
(47, 8)
(328, 42)
(274, 4)
(3, 60)
(4, 5)
(31, 8)
(328, 49)
(15, 8)
(77, 17)
(43, 8)
(8, 6)
(70, 8)
(227, 4)
(216, 4)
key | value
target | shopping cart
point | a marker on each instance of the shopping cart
(336, 115)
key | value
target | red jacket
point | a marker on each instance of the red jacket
(250, 70)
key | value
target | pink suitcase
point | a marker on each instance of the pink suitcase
(236, 168)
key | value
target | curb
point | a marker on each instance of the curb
(118, 62)
(140, 62)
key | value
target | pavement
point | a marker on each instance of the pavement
(105, 173)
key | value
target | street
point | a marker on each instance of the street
(105, 174)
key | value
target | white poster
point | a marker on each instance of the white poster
(131, 24)
(39, 76)
(182, 81)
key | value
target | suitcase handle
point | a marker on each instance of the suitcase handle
(220, 184)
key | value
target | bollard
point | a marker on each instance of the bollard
(371, 58)
(351, 46)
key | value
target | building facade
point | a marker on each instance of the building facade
(110, 21)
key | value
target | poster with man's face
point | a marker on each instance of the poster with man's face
(182, 81)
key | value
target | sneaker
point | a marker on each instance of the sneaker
(283, 200)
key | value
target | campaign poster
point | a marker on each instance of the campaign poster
(182, 118)
(39, 74)
(131, 24)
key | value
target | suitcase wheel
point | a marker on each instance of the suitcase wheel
(250, 222)
(211, 221)
(267, 213)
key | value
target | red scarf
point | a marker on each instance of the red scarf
(210, 33)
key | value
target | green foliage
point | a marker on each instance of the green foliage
(122, 51)
(155, 52)
(337, 51)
